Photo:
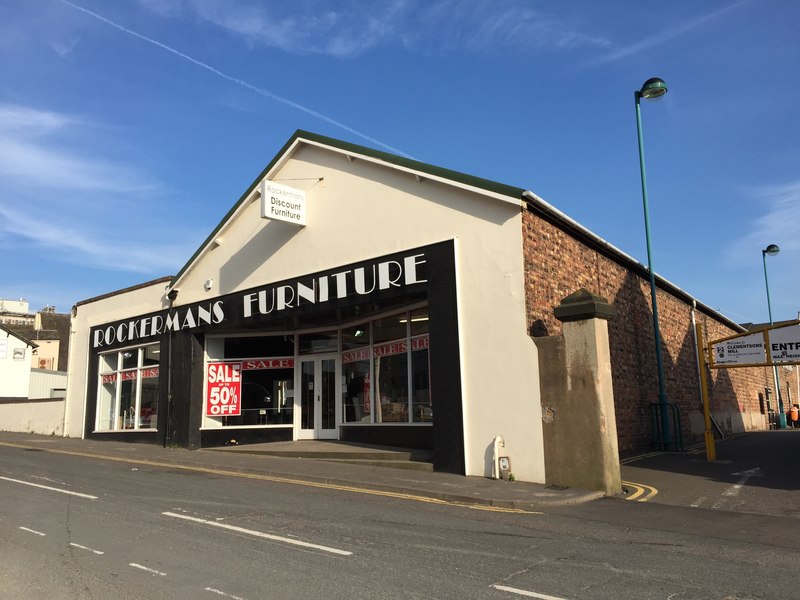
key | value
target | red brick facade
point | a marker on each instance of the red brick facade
(561, 258)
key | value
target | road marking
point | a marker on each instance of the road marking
(519, 592)
(86, 548)
(276, 479)
(148, 569)
(33, 531)
(260, 534)
(698, 502)
(627, 461)
(47, 487)
(646, 492)
(220, 593)
(746, 475)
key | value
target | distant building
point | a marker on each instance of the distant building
(31, 399)
(15, 364)
(15, 312)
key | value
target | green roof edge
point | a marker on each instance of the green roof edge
(393, 159)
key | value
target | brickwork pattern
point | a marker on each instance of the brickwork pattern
(557, 264)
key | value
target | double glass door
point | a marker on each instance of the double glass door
(318, 398)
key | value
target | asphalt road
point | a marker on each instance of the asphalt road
(75, 527)
(758, 472)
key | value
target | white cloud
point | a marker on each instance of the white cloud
(350, 28)
(658, 38)
(778, 225)
(84, 244)
(58, 197)
(30, 154)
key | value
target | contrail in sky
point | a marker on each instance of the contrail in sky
(249, 86)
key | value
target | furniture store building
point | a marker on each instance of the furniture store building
(355, 295)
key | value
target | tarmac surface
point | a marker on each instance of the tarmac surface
(763, 462)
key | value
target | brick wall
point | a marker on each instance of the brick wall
(559, 261)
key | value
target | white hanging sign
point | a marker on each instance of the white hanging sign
(282, 203)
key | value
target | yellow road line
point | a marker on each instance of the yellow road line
(277, 479)
(646, 492)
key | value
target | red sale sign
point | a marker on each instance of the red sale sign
(224, 390)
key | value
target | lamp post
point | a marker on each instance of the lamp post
(772, 250)
(653, 89)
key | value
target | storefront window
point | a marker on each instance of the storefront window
(420, 381)
(127, 397)
(323, 341)
(263, 393)
(391, 382)
(390, 328)
(267, 393)
(356, 397)
(248, 347)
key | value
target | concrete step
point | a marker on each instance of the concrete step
(400, 458)
(409, 465)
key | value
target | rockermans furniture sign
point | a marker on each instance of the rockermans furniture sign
(775, 345)
(369, 280)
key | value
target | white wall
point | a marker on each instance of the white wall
(15, 366)
(43, 418)
(358, 210)
(46, 384)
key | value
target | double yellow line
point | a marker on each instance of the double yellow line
(642, 492)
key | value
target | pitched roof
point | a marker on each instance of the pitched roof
(18, 336)
(500, 191)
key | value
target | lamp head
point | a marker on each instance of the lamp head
(653, 89)
(772, 250)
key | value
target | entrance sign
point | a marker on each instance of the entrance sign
(784, 343)
(224, 390)
(744, 350)
(283, 203)
(777, 345)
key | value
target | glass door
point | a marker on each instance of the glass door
(318, 398)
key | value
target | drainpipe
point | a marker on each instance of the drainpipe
(171, 295)
(499, 442)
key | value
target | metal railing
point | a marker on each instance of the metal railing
(676, 443)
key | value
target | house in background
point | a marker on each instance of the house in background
(15, 364)
(32, 389)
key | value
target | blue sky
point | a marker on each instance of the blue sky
(129, 128)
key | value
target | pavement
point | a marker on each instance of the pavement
(248, 461)
(672, 478)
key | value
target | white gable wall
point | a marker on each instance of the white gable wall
(15, 366)
(358, 210)
(118, 306)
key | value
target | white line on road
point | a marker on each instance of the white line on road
(86, 548)
(47, 487)
(734, 489)
(260, 534)
(698, 502)
(221, 593)
(33, 531)
(504, 588)
(148, 569)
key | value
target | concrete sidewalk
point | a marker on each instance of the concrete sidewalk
(443, 487)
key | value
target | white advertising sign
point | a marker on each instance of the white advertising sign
(784, 343)
(283, 203)
(745, 350)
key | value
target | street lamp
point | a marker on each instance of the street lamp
(653, 89)
(772, 250)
